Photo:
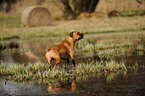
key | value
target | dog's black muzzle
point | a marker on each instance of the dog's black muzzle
(81, 36)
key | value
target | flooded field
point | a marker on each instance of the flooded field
(128, 83)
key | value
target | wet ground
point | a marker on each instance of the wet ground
(131, 83)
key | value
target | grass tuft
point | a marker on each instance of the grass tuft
(40, 70)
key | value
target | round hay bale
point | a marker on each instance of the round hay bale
(36, 16)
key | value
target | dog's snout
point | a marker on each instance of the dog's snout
(82, 35)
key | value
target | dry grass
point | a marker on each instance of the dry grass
(40, 70)
(120, 5)
(104, 6)
(11, 27)
(111, 45)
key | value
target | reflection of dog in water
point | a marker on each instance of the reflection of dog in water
(64, 50)
(60, 87)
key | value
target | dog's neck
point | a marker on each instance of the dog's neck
(69, 40)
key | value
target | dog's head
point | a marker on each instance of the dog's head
(76, 35)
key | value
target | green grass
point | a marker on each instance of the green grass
(11, 27)
(9, 22)
(117, 45)
(132, 11)
(40, 70)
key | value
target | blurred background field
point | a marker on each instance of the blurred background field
(131, 19)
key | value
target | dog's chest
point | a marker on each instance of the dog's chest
(64, 53)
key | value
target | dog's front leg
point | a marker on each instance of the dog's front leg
(73, 61)
(72, 53)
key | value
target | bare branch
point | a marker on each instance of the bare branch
(140, 1)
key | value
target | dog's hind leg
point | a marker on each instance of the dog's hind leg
(50, 63)
(58, 60)
(53, 58)
(50, 67)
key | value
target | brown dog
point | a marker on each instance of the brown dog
(64, 50)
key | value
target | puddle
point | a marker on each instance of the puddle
(28, 51)
(131, 84)
(128, 84)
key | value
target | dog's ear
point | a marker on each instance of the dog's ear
(71, 34)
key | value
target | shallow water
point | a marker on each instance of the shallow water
(131, 83)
